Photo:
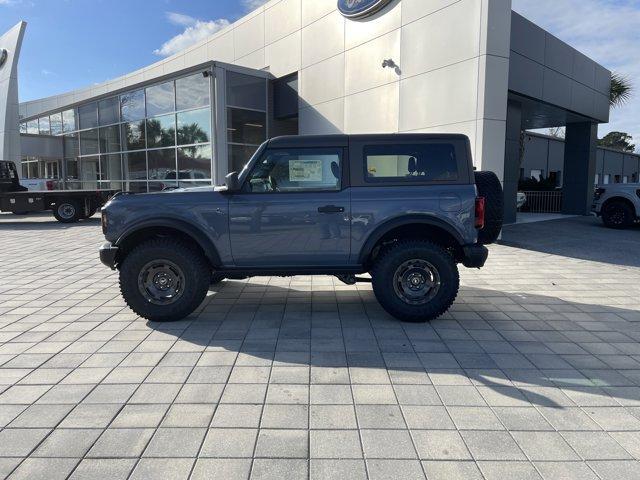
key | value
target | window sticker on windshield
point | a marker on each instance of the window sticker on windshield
(305, 170)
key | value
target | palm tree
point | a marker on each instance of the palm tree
(621, 90)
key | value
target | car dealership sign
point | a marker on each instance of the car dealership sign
(360, 8)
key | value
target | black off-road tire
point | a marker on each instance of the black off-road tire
(618, 214)
(192, 263)
(216, 278)
(490, 188)
(392, 258)
(67, 211)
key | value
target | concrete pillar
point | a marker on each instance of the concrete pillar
(579, 168)
(512, 160)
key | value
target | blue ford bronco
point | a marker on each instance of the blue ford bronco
(405, 208)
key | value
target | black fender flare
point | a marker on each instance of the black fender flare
(386, 227)
(205, 243)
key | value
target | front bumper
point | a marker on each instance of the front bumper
(108, 255)
(474, 256)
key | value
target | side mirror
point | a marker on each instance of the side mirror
(232, 182)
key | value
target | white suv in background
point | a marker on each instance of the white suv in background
(618, 204)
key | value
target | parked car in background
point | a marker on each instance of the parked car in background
(521, 199)
(407, 209)
(618, 204)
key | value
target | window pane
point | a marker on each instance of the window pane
(68, 121)
(110, 139)
(23, 127)
(32, 127)
(133, 135)
(137, 187)
(294, 170)
(72, 168)
(246, 126)
(110, 167)
(239, 155)
(89, 169)
(71, 146)
(56, 123)
(194, 163)
(135, 165)
(419, 163)
(132, 106)
(246, 91)
(89, 142)
(108, 111)
(88, 115)
(194, 126)
(160, 99)
(161, 131)
(162, 164)
(43, 126)
(192, 92)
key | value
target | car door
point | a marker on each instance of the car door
(293, 210)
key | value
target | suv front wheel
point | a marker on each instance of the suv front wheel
(415, 280)
(164, 279)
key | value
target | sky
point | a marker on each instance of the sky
(70, 44)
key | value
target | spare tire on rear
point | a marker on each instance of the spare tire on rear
(490, 188)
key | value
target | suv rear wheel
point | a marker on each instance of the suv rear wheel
(617, 214)
(164, 279)
(415, 280)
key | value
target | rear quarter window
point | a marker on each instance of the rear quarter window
(409, 163)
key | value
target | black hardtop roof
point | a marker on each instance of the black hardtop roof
(343, 140)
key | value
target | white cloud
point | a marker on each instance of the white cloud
(607, 31)
(195, 30)
(251, 5)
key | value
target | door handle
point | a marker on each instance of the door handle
(330, 209)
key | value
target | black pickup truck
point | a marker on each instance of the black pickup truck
(68, 206)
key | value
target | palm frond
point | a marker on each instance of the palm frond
(621, 90)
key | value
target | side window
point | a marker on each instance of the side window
(431, 162)
(296, 170)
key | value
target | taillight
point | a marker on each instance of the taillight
(480, 210)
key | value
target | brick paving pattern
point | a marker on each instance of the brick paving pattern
(533, 374)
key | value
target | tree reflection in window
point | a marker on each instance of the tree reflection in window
(194, 126)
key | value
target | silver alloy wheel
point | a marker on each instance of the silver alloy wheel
(66, 210)
(416, 282)
(161, 282)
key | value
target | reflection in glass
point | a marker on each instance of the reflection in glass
(161, 131)
(32, 127)
(110, 139)
(162, 164)
(90, 170)
(111, 167)
(135, 164)
(194, 163)
(194, 126)
(108, 111)
(56, 123)
(89, 142)
(68, 121)
(43, 126)
(71, 165)
(160, 99)
(23, 127)
(246, 91)
(239, 155)
(246, 126)
(133, 135)
(132, 106)
(71, 146)
(88, 115)
(192, 92)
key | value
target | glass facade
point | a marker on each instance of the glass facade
(142, 140)
(156, 136)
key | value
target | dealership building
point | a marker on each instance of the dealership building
(319, 67)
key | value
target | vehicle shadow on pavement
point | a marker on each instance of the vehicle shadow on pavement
(511, 349)
(43, 221)
(584, 238)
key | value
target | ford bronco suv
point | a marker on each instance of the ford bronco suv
(405, 208)
(618, 204)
